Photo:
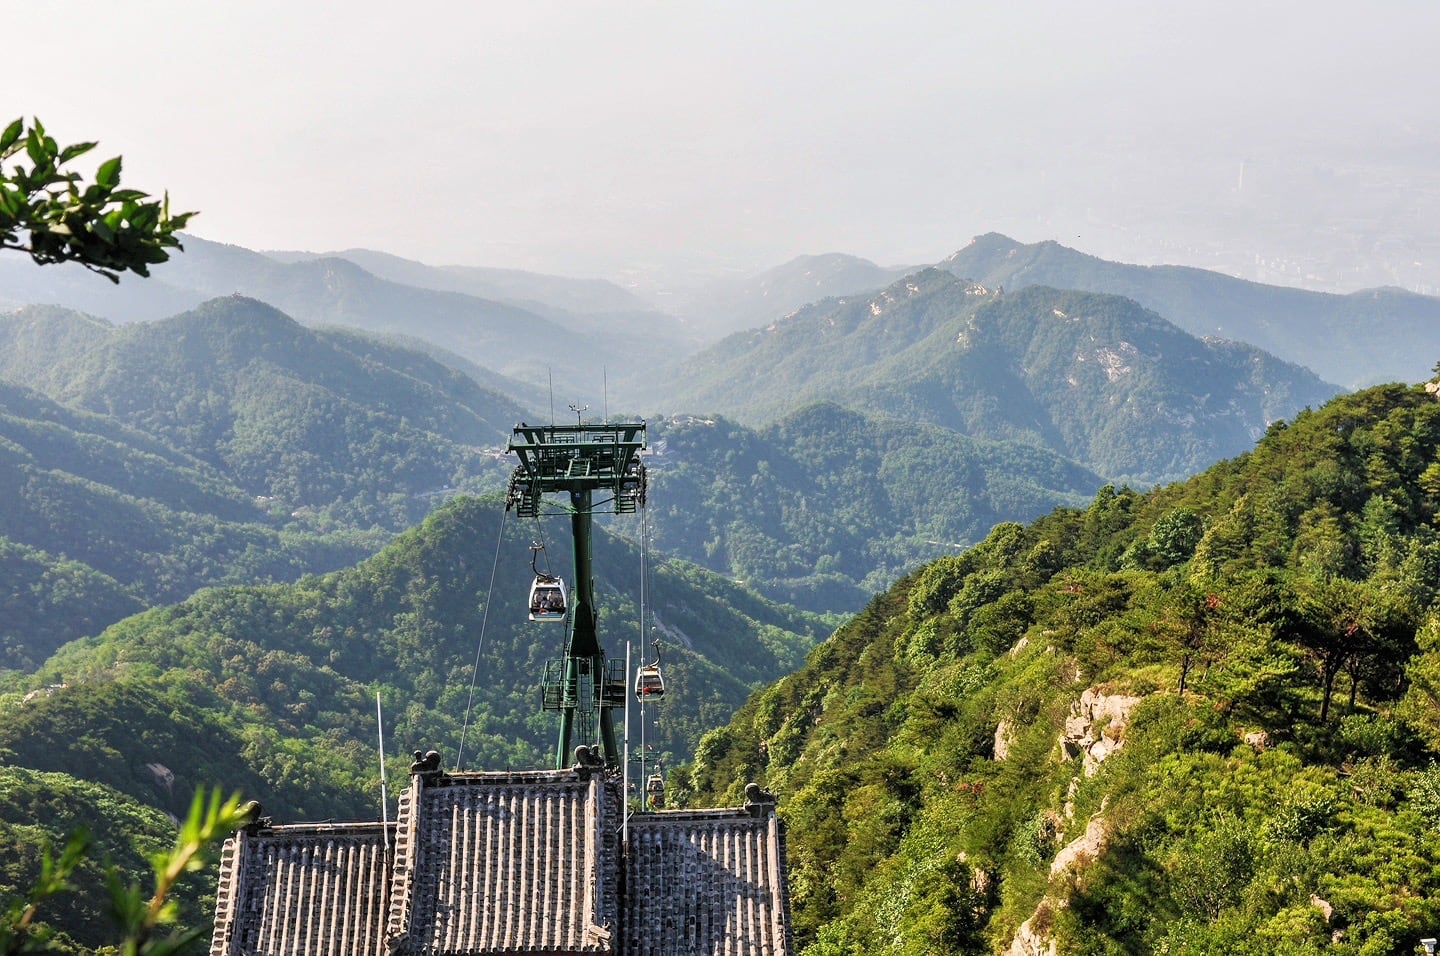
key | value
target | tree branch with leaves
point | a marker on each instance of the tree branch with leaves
(54, 215)
(139, 919)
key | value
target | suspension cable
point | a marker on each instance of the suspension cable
(644, 572)
(540, 538)
(480, 643)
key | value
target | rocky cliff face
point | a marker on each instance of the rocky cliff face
(1095, 729)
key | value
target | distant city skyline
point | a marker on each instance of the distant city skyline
(657, 143)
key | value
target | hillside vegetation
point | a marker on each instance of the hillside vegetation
(291, 670)
(1200, 719)
(1094, 378)
(826, 506)
(228, 445)
(271, 690)
(102, 520)
(311, 419)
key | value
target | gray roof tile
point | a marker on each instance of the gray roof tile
(509, 863)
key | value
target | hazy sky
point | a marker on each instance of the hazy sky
(601, 138)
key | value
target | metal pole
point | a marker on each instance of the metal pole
(384, 797)
(625, 762)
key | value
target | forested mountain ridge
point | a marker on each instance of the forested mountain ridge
(564, 337)
(1095, 378)
(317, 419)
(227, 445)
(101, 520)
(407, 621)
(1204, 718)
(1369, 336)
(826, 506)
(232, 444)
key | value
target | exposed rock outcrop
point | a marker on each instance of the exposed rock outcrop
(1004, 733)
(1082, 849)
(1096, 727)
(1029, 939)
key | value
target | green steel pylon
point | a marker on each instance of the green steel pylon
(598, 467)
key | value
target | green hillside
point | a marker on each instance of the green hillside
(102, 520)
(1369, 336)
(1095, 378)
(294, 667)
(270, 690)
(41, 810)
(298, 417)
(827, 506)
(229, 445)
(1199, 719)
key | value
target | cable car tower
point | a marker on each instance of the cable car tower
(598, 468)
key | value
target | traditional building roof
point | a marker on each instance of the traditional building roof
(510, 863)
(507, 863)
(320, 889)
(709, 881)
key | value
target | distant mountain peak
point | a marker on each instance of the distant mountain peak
(1357, 339)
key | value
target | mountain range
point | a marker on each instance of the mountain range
(1095, 378)
(553, 344)
(1362, 338)
(585, 331)
(235, 519)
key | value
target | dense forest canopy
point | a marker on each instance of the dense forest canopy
(1202, 718)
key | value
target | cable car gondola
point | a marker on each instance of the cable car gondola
(547, 598)
(655, 791)
(649, 684)
(548, 601)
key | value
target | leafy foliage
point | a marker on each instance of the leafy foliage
(139, 920)
(55, 216)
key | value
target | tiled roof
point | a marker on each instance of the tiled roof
(510, 863)
(507, 863)
(707, 882)
(307, 890)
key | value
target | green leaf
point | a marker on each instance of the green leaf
(70, 152)
(11, 136)
(108, 175)
(35, 149)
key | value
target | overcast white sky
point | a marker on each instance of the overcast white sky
(605, 138)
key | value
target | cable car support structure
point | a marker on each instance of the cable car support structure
(598, 469)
